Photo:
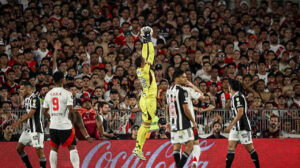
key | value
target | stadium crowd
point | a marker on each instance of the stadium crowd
(95, 43)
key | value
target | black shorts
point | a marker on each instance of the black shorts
(62, 137)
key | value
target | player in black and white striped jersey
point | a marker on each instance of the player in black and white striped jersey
(239, 129)
(34, 133)
(194, 93)
(181, 119)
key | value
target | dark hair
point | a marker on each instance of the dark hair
(138, 61)
(177, 73)
(235, 85)
(58, 76)
(101, 104)
(25, 83)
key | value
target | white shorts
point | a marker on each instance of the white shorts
(34, 139)
(244, 137)
(182, 136)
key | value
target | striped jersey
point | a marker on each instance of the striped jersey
(238, 100)
(35, 122)
(176, 97)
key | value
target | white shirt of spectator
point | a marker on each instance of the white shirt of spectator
(278, 49)
(57, 100)
(264, 77)
(39, 55)
(200, 73)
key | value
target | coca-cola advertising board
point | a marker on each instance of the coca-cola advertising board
(273, 153)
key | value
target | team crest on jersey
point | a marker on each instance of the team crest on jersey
(34, 100)
(237, 99)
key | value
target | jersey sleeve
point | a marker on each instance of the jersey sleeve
(46, 102)
(239, 102)
(148, 54)
(70, 99)
(35, 102)
(183, 96)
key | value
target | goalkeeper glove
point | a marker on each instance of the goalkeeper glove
(146, 33)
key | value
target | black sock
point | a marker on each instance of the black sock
(254, 157)
(176, 154)
(229, 158)
(43, 162)
(25, 159)
(183, 159)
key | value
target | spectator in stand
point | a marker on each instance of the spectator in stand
(273, 128)
(88, 115)
(7, 134)
(134, 131)
(217, 129)
(105, 116)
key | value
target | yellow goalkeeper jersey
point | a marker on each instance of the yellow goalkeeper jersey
(146, 74)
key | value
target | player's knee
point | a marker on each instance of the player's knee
(54, 149)
(71, 147)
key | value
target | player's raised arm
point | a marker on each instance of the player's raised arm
(148, 48)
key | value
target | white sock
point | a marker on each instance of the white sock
(74, 157)
(196, 152)
(53, 159)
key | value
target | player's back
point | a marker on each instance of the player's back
(57, 100)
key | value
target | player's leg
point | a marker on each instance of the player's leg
(232, 143)
(24, 140)
(196, 153)
(142, 132)
(246, 140)
(54, 143)
(41, 155)
(147, 120)
(176, 153)
(74, 157)
(69, 140)
(231, 152)
(38, 143)
(187, 151)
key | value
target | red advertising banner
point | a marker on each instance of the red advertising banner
(273, 153)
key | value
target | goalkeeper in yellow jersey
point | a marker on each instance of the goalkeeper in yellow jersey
(148, 96)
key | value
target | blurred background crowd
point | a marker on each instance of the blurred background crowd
(95, 43)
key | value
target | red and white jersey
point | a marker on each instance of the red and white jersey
(57, 100)
(278, 49)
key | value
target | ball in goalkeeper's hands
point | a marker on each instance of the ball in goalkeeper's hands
(146, 31)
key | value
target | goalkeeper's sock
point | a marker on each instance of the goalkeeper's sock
(254, 157)
(229, 158)
(141, 136)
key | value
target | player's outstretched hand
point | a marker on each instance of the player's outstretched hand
(90, 139)
(146, 33)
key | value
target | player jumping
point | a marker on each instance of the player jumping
(148, 96)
